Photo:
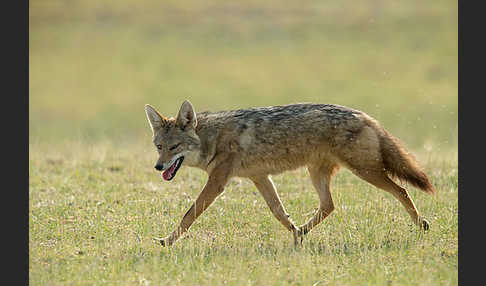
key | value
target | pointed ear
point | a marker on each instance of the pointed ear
(156, 120)
(186, 116)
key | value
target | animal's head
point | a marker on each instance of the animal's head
(175, 139)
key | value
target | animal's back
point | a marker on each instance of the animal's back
(279, 138)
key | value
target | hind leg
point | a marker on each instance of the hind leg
(382, 181)
(267, 189)
(321, 177)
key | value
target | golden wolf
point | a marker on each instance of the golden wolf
(257, 142)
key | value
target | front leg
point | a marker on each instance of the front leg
(213, 188)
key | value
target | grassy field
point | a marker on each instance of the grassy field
(95, 201)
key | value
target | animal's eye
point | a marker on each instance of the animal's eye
(159, 147)
(175, 146)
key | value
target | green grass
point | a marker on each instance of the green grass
(95, 208)
(95, 201)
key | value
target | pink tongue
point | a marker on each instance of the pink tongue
(167, 174)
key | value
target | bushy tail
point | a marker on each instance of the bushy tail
(401, 164)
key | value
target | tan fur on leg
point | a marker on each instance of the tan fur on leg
(321, 177)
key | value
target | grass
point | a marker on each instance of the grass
(93, 214)
(95, 201)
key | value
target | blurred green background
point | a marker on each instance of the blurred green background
(94, 64)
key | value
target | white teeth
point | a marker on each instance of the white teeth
(171, 162)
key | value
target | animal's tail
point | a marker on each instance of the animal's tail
(399, 163)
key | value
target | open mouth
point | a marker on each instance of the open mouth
(170, 173)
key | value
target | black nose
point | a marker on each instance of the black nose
(158, 167)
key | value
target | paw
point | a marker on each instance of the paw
(298, 236)
(163, 241)
(425, 226)
(304, 229)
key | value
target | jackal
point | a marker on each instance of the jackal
(255, 143)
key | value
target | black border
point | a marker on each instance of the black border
(15, 131)
(471, 125)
